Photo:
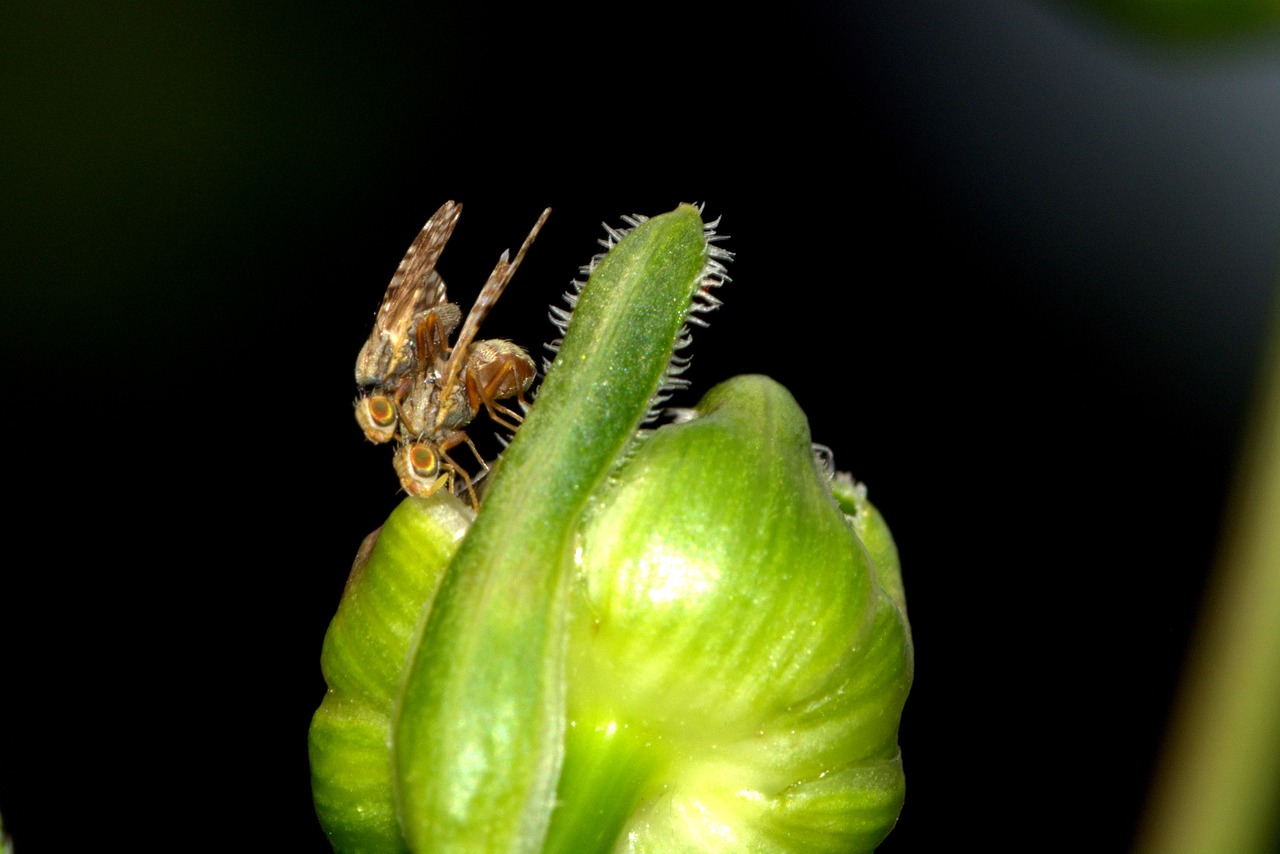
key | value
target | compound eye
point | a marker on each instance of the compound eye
(423, 461)
(377, 417)
(419, 468)
(381, 410)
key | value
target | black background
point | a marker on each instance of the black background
(1014, 265)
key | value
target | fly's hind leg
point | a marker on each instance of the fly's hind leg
(509, 374)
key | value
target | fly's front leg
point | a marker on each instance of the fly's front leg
(452, 440)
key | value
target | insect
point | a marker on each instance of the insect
(420, 391)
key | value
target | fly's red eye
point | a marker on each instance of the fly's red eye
(381, 412)
(377, 418)
(424, 461)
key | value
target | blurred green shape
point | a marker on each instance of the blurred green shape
(1217, 781)
(1191, 20)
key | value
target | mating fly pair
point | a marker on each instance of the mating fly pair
(418, 390)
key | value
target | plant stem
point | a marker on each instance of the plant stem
(606, 771)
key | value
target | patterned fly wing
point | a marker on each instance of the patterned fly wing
(489, 294)
(414, 290)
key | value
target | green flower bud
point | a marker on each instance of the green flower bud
(733, 652)
(685, 640)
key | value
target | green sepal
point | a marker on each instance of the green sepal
(365, 653)
(479, 740)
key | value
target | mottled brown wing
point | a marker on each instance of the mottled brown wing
(489, 294)
(415, 288)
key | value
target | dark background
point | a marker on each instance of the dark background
(1014, 264)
